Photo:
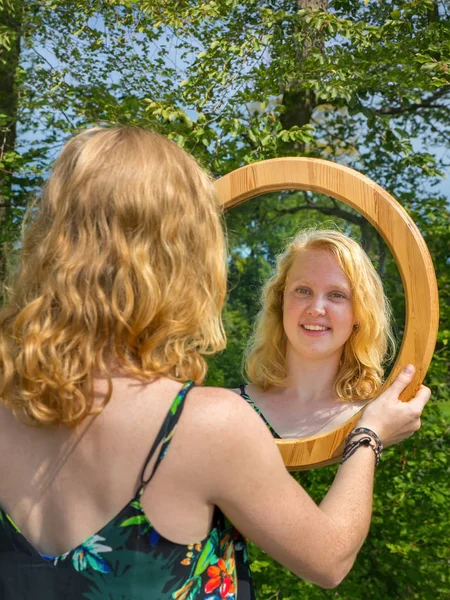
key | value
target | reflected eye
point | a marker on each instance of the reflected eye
(338, 295)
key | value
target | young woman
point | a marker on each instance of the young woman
(322, 335)
(117, 471)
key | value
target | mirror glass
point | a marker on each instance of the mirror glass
(258, 231)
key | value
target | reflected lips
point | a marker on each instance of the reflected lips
(314, 329)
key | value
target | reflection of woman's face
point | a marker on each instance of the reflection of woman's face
(317, 309)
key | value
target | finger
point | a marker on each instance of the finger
(420, 399)
(402, 380)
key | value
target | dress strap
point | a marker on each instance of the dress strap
(256, 408)
(165, 434)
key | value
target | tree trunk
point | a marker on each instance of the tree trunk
(300, 103)
(10, 20)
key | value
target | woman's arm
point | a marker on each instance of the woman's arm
(244, 475)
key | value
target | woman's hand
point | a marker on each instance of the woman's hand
(390, 418)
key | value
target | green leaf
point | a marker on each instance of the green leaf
(136, 520)
(207, 556)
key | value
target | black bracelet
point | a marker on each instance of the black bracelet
(352, 447)
(368, 432)
(371, 439)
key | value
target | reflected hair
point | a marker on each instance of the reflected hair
(371, 344)
(124, 266)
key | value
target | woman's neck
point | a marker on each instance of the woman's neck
(311, 382)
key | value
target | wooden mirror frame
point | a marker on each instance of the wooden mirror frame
(406, 244)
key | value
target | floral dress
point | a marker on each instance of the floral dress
(128, 559)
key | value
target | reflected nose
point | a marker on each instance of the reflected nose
(316, 308)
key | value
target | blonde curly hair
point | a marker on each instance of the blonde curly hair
(124, 264)
(360, 374)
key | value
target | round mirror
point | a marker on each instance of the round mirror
(403, 239)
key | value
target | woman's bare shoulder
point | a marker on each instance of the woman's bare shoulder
(221, 411)
(217, 400)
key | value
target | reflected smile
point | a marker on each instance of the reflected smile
(315, 327)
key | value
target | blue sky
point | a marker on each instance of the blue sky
(27, 137)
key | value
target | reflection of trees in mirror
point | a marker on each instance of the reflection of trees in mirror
(258, 230)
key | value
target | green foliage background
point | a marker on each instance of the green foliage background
(360, 82)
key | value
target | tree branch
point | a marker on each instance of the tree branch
(326, 210)
(427, 103)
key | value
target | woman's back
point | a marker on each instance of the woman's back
(78, 502)
(105, 280)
